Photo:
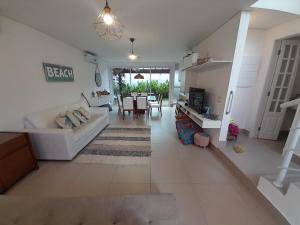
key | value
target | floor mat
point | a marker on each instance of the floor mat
(119, 145)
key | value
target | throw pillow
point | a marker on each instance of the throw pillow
(79, 116)
(84, 112)
(64, 122)
(74, 120)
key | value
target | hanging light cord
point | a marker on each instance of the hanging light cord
(132, 40)
(132, 47)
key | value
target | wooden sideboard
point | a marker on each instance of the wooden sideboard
(16, 158)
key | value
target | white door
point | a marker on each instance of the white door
(283, 80)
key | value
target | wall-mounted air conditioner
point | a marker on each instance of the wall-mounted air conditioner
(90, 57)
(189, 60)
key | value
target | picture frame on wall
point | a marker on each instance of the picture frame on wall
(58, 73)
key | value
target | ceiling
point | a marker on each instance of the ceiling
(163, 29)
(266, 19)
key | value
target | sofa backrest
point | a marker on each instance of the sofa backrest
(46, 118)
(125, 210)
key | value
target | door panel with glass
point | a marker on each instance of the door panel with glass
(283, 80)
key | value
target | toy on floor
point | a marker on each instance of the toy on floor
(238, 148)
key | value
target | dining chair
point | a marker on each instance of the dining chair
(120, 104)
(127, 104)
(156, 99)
(141, 104)
(157, 104)
(134, 94)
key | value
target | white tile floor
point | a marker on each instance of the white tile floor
(206, 191)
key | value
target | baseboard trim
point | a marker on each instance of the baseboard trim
(245, 132)
(248, 183)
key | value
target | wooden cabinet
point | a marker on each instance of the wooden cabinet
(16, 158)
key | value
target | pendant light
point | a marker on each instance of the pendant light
(107, 25)
(139, 77)
(132, 56)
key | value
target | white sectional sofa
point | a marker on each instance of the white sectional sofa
(53, 143)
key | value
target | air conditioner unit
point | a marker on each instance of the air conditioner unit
(189, 60)
(90, 57)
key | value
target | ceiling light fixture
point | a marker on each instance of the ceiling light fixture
(107, 24)
(139, 77)
(132, 56)
(107, 15)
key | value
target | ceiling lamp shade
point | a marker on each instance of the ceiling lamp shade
(139, 77)
(107, 25)
(131, 55)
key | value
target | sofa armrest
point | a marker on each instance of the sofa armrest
(99, 110)
(51, 143)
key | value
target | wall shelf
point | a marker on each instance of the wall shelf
(198, 118)
(210, 64)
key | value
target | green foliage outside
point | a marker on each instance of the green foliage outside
(142, 86)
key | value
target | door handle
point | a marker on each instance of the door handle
(229, 104)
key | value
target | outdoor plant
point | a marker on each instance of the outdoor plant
(157, 88)
(142, 86)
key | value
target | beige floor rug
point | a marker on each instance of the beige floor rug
(119, 145)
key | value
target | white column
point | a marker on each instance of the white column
(171, 84)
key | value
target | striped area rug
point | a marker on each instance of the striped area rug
(125, 142)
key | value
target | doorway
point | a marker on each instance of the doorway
(284, 81)
(153, 81)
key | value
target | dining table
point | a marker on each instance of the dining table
(151, 98)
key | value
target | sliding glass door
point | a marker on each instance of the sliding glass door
(152, 80)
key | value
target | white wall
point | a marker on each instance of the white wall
(263, 81)
(247, 79)
(23, 88)
(220, 45)
(290, 6)
(227, 43)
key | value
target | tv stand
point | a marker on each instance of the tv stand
(198, 118)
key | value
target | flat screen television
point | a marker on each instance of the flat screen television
(196, 99)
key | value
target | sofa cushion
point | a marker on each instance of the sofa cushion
(85, 113)
(73, 118)
(79, 116)
(64, 122)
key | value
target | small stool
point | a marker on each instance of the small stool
(201, 139)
